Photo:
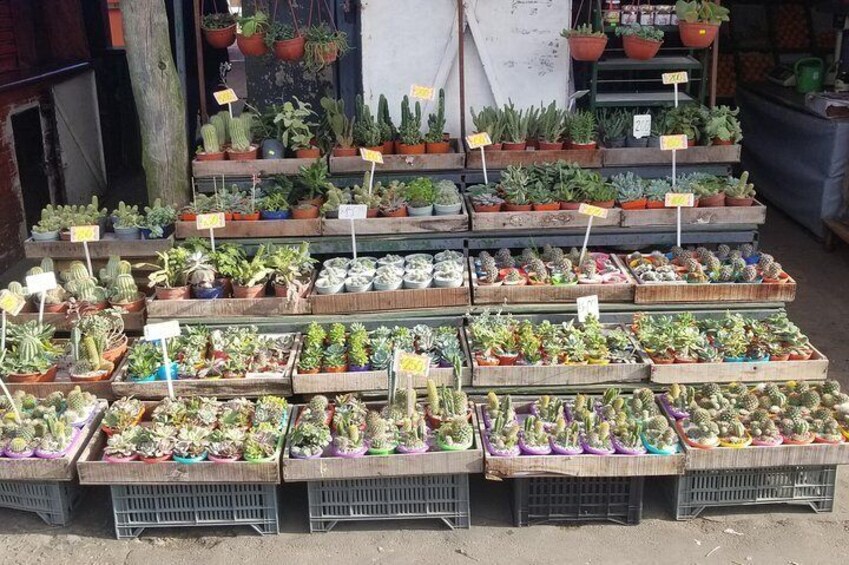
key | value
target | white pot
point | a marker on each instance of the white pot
(46, 236)
(335, 289)
(349, 287)
(390, 286)
(396, 262)
(337, 263)
(422, 211)
(447, 209)
(428, 269)
(447, 283)
(414, 256)
(417, 285)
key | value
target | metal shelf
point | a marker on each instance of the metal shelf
(640, 98)
(661, 62)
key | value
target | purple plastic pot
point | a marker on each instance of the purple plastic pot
(349, 454)
(301, 456)
(512, 452)
(84, 422)
(533, 450)
(560, 450)
(11, 455)
(761, 443)
(625, 450)
(355, 369)
(58, 454)
(404, 450)
(594, 451)
(671, 410)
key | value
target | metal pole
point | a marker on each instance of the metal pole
(714, 66)
(461, 65)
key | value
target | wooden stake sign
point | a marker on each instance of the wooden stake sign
(373, 157)
(675, 79)
(479, 141)
(642, 126)
(592, 212)
(353, 212)
(40, 284)
(587, 306)
(674, 143)
(84, 234)
(161, 332)
(210, 222)
(226, 96)
(679, 200)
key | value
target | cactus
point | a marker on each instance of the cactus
(124, 289)
(223, 128)
(16, 288)
(34, 271)
(240, 135)
(750, 274)
(411, 124)
(210, 139)
(436, 121)
(108, 273)
(76, 271)
(220, 127)
(18, 445)
(47, 265)
(773, 271)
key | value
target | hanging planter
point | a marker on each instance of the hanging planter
(699, 21)
(640, 42)
(584, 43)
(219, 30)
(323, 46)
(290, 49)
(697, 35)
(286, 42)
(251, 38)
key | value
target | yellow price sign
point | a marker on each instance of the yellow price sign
(11, 303)
(210, 221)
(673, 142)
(226, 96)
(371, 155)
(594, 211)
(675, 78)
(478, 140)
(79, 234)
(411, 364)
(679, 200)
(421, 92)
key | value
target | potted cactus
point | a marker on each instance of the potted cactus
(413, 435)
(48, 226)
(699, 21)
(659, 437)
(30, 355)
(88, 362)
(242, 147)
(308, 440)
(447, 201)
(740, 192)
(420, 195)
(126, 221)
(596, 439)
(219, 29)
(534, 438)
(436, 139)
(640, 42)
(169, 280)
(348, 441)
(211, 149)
(565, 438)
(455, 434)
(584, 43)
(381, 435)
(409, 132)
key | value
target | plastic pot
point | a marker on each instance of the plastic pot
(348, 454)
(397, 213)
(253, 46)
(118, 459)
(46, 236)
(127, 234)
(561, 450)
(640, 49)
(486, 209)
(176, 293)
(731, 201)
(510, 207)
(570, 205)
(290, 49)
(587, 48)
(596, 451)
(438, 147)
(715, 201)
(550, 146)
(603, 203)
(216, 291)
(275, 214)
(419, 211)
(671, 410)
(305, 213)
(190, 460)
(634, 204)
(447, 283)
(250, 155)
(311, 153)
(336, 289)
(404, 450)
(546, 207)
(47, 376)
(344, 151)
(631, 141)
(697, 35)
(533, 449)
(447, 209)
(417, 149)
(583, 146)
(251, 217)
(220, 38)
(161, 374)
(352, 288)
(615, 142)
(626, 450)
(255, 291)
(204, 156)
(55, 307)
(417, 284)
(160, 459)
(457, 447)
(518, 146)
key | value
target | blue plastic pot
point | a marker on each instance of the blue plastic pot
(763, 359)
(275, 214)
(147, 379)
(216, 291)
(167, 230)
(190, 460)
(753, 259)
(735, 359)
(162, 376)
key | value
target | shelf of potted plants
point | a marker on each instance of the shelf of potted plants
(531, 351)
(730, 348)
(701, 275)
(549, 276)
(339, 358)
(609, 435)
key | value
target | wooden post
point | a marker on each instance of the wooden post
(159, 100)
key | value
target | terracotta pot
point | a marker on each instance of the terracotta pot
(655, 205)
(65, 235)
(517, 207)
(305, 213)
(47, 376)
(691, 142)
(318, 201)
(344, 151)
(91, 377)
(487, 209)
(399, 213)
(485, 361)
(640, 49)
(188, 217)
(339, 369)
(220, 38)
(778, 358)
(634, 204)
(494, 147)
(697, 35)
(547, 207)
(311, 153)
(134, 306)
(388, 147)
(662, 361)
(328, 53)
(603, 204)
(252, 217)
(253, 46)
(520, 146)
(439, 147)
(583, 146)
(507, 358)
(417, 149)
(203, 156)
(55, 308)
(228, 217)
(378, 148)
(176, 293)
(372, 212)
(546, 146)
(730, 201)
(717, 141)
(249, 155)
(112, 355)
(570, 205)
(256, 291)
(715, 201)
(801, 356)
(583, 48)
(290, 49)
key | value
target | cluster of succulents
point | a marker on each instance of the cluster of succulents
(701, 265)
(604, 425)
(730, 338)
(48, 427)
(29, 350)
(193, 429)
(60, 218)
(553, 265)
(765, 415)
(391, 272)
(501, 339)
(341, 348)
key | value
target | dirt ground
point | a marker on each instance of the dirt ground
(767, 535)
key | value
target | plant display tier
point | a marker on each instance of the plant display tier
(340, 358)
(233, 361)
(201, 439)
(349, 439)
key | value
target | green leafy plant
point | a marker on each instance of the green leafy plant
(323, 45)
(340, 125)
(218, 20)
(701, 11)
(516, 124)
(721, 123)
(647, 32)
(491, 121)
(258, 22)
(552, 124)
(420, 192)
(298, 124)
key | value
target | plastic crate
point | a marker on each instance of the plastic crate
(577, 499)
(137, 507)
(52, 501)
(697, 490)
(441, 497)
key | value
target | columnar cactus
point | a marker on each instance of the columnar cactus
(220, 124)
(124, 289)
(210, 139)
(76, 271)
(240, 137)
(110, 271)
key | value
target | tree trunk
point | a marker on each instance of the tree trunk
(159, 100)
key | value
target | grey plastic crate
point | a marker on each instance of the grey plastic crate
(538, 500)
(810, 485)
(137, 507)
(441, 497)
(52, 501)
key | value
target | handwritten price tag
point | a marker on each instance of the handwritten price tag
(80, 234)
(673, 142)
(371, 155)
(478, 140)
(594, 211)
(353, 211)
(421, 92)
(41, 282)
(410, 364)
(642, 125)
(587, 305)
(11, 303)
(210, 221)
(679, 200)
(224, 97)
(162, 330)
(675, 78)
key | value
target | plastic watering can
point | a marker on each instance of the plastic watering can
(809, 74)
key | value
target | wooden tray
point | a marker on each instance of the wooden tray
(695, 217)
(256, 229)
(524, 466)
(62, 469)
(133, 321)
(261, 167)
(815, 368)
(501, 221)
(639, 156)
(395, 465)
(402, 163)
(391, 226)
(531, 294)
(252, 386)
(64, 384)
(502, 159)
(94, 471)
(108, 245)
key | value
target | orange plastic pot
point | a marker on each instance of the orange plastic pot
(249, 155)
(546, 207)
(253, 46)
(307, 213)
(290, 49)
(311, 153)
(640, 49)
(521, 146)
(345, 152)
(634, 204)
(220, 38)
(217, 156)
(583, 48)
(439, 147)
(417, 149)
(697, 35)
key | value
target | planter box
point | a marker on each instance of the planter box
(390, 226)
(108, 245)
(695, 217)
(64, 384)
(395, 465)
(640, 156)
(261, 167)
(502, 159)
(133, 321)
(531, 221)
(402, 163)
(253, 230)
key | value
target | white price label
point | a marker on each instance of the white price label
(227, 96)
(587, 305)
(41, 283)
(642, 125)
(353, 211)
(162, 330)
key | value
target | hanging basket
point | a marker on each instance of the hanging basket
(640, 49)
(697, 35)
(290, 49)
(586, 48)
(220, 38)
(253, 46)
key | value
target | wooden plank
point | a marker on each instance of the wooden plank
(133, 321)
(109, 245)
(228, 307)
(64, 384)
(62, 469)
(396, 465)
(502, 159)
(257, 229)
(402, 163)
(694, 217)
(392, 226)
(639, 156)
(532, 221)
(816, 368)
(261, 167)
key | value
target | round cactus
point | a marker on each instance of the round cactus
(18, 445)
(16, 288)
(773, 270)
(47, 265)
(750, 274)
(76, 271)
(765, 261)
(35, 271)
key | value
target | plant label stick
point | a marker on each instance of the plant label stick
(679, 200)
(161, 332)
(675, 79)
(673, 143)
(84, 234)
(421, 92)
(210, 222)
(373, 157)
(353, 212)
(226, 96)
(479, 141)
(40, 284)
(587, 305)
(592, 212)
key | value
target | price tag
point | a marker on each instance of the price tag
(675, 78)
(478, 140)
(411, 364)
(587, 305)
(41, 282)
(162, 330)
(371, 155)
(211, 221)
(594, 211)
(80, 234)
(673, 142)
(421, 92)
(227, 96)
(642, 125)
(353, 211)
(11, 303)
(679, 200)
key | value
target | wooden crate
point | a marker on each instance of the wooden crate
(62, 469)
(396, 465)
(543, 294)
(392, 226)
(261, 167)
(503, 159)
(413, 164)
(108, 245)
(815, 368)
(133, 321)
(64, 384)
(253, 230)
(525, 466)
(531, 221)
(252, 386)
(94, 471)
(639, 156)
(692, 218)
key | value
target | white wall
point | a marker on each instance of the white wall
(408, 42)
